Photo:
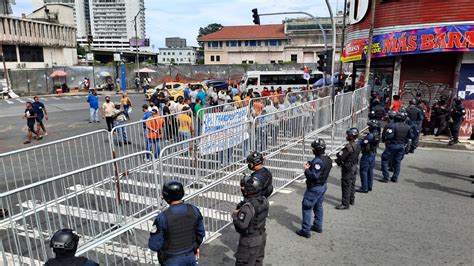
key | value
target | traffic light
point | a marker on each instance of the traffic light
(325, 61)
(256, 17)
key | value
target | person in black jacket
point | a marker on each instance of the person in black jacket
(316, 173)
(64, 244)
(249, 221)
(457, 116)
(348, 159)
(255, 163)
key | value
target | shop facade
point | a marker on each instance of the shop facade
(421, 46)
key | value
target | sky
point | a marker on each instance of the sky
(183, 18)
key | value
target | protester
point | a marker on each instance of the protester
(185, 129)
(221, 97)
(155, 133)
(93, 101)
(213, 97)
(127, 104)
(201, 95)
(107, 109)
(119, 118)
(30, 116)
(41, 113)
(396, 103)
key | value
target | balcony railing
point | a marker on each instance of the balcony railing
(17, 31)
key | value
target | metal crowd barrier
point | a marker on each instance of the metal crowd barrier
(26, 166)
(113, 204)
(133, 137)
(94, 201)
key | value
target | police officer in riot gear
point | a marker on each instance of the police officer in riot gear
(377, 112)
(457, 116)
(396, 136)
(347, 159)
(178, 231)
(249, 221)
(416, 116)
(64, 244)
(316, 173)
(368, 145)
(255, 163)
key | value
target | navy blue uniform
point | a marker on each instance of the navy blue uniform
(316, 178)
(457, 115)
(368, 144)
(347, 159)
(395, 136)
(416, 116)
(62, 260)
(177, 234)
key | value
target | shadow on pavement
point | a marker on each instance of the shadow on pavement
(227, 246)
(282, 216)
(434, 186)
(432, 171)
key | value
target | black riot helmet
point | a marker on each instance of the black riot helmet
(399, 117)
(458, 101)
(352, 133)
(318, 146)
(172, 190)
(251, 185)
(391, 114)
(64, 240)
(255, 158)
(373, 125)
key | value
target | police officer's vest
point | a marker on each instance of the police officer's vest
(379, 112)
(323, 177)
(370, 147)
(265, 176)
(181, 232)
(399, 134)
(375, 143)
(75, 261)
(413, 113)
(257, 224)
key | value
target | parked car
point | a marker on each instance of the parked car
(169, 86)
(217, 84)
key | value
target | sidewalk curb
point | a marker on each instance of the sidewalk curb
(83, 94)
(439, 144)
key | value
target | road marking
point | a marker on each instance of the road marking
(29, 99)
(20, 100)
(76, 97)
(67, 97)
(8, 101)
(55, 98)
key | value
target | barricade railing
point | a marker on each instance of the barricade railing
(222, 108)
(25, 166)
(273, 130)
(94, 201)
(360, 105)
(202, 160)
(210, 166)
(135, 137)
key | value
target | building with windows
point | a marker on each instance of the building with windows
(42, 39)
(176, 52)
(295, 40)
(416, 49)
(109, 22)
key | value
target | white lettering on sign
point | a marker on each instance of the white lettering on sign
(357, 10)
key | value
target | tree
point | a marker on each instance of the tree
(81, 50)
(213, 27)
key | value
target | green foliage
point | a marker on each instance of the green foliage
(213, 27)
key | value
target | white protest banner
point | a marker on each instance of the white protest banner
(225, 139)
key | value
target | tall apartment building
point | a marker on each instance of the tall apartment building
(109, 22)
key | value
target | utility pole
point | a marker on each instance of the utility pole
(334, 33)
(137, 59)
(369, 51)
(343, 37)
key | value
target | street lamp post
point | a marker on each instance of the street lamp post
(137, 59)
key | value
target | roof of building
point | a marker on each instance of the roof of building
(247, 32)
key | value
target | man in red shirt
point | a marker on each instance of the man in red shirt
(396, 103)
(265, 92)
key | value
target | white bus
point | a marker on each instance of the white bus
(257, 80)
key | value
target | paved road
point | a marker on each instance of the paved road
(425, 219)
(68, 116)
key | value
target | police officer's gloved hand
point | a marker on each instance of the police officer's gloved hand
(239, 205)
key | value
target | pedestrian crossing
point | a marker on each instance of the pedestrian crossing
(23, 100)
